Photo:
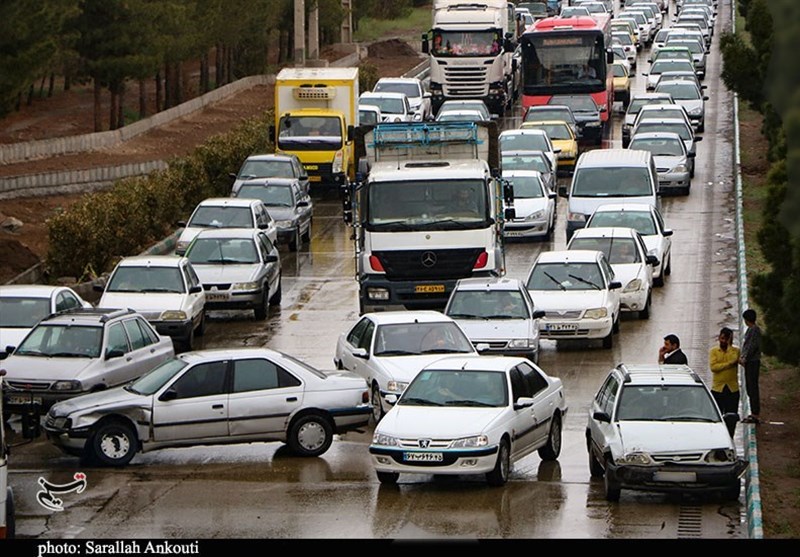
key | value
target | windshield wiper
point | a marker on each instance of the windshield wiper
(458, 223)
(396, 353)
(444, 351)
(464, 316)
(67, 355)
(130, 389)
(29, 353)
(419, 402)
(170, 290)
(686, 419)
(504, 316)
(468, 403)
(396, 225)
(584, 281)
(555, 280)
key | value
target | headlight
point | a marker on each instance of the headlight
(173, 315)
(519, 343)
(62, 423)
(535, 216)
(336, 167)
(576, 217)
(640, 459)
(681, 168)
(468, 442)
(593, 124)
(596, 313)
(720, 456)
(696, 111)
(67, 386)
(283, 223)
(396, 386)
(386, 440)
(246, 286)
(633, 286)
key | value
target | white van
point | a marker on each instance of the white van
(610, 176)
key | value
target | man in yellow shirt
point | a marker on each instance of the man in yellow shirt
(724, 361)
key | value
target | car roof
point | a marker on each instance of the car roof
(622, 207)
(271, 181)
(228, 201)
(214, 354)
(242, 233)
(658, 374)
(605, 232)
(614, 157)
(151, 261)
(476, 363)
(490, 283)
(382, 94)
(28, 290)
(546, 123)
(513, 173)
(657, 135)
(271, 156)
(570, 256)
(525, 130)
(401, 317)
(398, 80)
(87, 316)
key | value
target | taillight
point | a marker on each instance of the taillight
(365, 397)
(376, 264)
(481, 261)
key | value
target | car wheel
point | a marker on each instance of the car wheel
(388, 478)
(261, 311)
(612, 489)
(307, 235)
(615, 326)
(668, 270)
(11, 522)
(189, 342)
(310, 435)
(377, 404)
(732, 491)
(595, 468)
(275, 300)
(608, 340)
(553, 447)
(645, 312)
(295, 241)
(659, 280)
(499, 476)
(201, 328)
(113, 443)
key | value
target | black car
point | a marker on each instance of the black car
(587, 115)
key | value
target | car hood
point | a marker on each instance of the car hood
(405, 368)
(42, 368)
(653, 244)
(668, 161)
(626, 272)
(216, 274)
(143, 302)
(12, 336)
(439, 422)
(280, 212)
(116, 399)
(495, 329)
(673, 436)
(524, 206)
(548, 300)
(690, 104)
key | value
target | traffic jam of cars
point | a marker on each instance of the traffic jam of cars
(443, 360)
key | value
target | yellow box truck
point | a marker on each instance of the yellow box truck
(316, 112)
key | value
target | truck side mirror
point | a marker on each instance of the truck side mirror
(609, 56)
(425, 46)
(508, 193)
(347, 205)
(514, 65)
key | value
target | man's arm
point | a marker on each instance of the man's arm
(720, 361)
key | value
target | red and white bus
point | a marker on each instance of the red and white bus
(567, 56)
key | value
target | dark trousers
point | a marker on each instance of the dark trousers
(727, 400)
(751, 372)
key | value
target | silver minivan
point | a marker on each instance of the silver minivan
(609, 176)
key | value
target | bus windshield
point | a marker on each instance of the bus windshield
(563, 63)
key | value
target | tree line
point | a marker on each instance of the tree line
(765, 73)
(118, 45)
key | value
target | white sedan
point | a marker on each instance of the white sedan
(471, 416)
(388, 349)
(534, 206)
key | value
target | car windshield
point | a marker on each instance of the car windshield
(218, 216)
(153, 380)
(694, 47)
(527, 187)
(641, 221)
(554, 131)
(623, 38)
(565, 276)
(266, 169)
(524, 142)
(457, 388)
(459, 116)
(488, 304)
(526, 162)
(623, 181)
(574, 12)
(275, 196)
(403, 339)
(21, 312)
(619, 70)
(671, 403)
(465, 105)
(660, 66)
(540, 115)
(637, 104)
(388, 105)
(146, 279)
(222, 251)
(680, 128)
(411, 90)
(680, 90)
(620, 251)
(62, 341)
(659, 147)
(578, 103)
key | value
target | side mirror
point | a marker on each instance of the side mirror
(271, 258)
(603, 109)
(10, 349)
(668, 232)
(609, 56)
(601, 417)
(615, 285)
(645, 73)
(696, 139)
(302, 203)
(651, 260)
(509, 213)
(391, 399)
(360, 353)
(508, 193)
(551, 195)
(263, 225)
(425, 44)
(196, 289)
(691, 155)
(232, 175)
(181, 224)
(538, 314)
(111, 354)
(303, 177)
(523, 402)
(556, 150)
(169, 394)
(705, 98)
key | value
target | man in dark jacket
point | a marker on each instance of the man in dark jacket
(750, 358)
(671, 352)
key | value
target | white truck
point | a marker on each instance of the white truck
(316, 111)
(429, 211)
(471, 47)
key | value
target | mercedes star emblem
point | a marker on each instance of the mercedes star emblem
(428, 259)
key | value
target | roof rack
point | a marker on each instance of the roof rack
(414, 135)
(104, 313)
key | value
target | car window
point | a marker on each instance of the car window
(222, 217)
(66, 300)
(202, 380)
(623, 181)
(641, 221)
(135, 334)
(266, 169)
(194, 280)
(366, 338)
(129, 278)
(617, 250)
(53, 340)
(607, 270)
(354, 338)
(402, 339)
(527, 187)
(147, 331)
(259, 374)
(19, 312)
(664, 403)
(608, 395)
(519, 387)
(117, 339)
(536, 383)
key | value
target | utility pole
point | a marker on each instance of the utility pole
(347, 24)
(313, 32)
(299, 33)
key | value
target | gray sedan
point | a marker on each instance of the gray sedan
(673, 163)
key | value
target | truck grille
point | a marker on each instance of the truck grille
(322, 169)
(442, 264)
(465, 81)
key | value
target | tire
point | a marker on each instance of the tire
(275, 300)
(668, 270)
(113, 444)
(731, 492)
(11, 520)
(552, 449)
(307, 235)
(659, 280)
(595, 468)
(295, 242)
(612, 490)
(645, 312)
(499, 476)
(377, 403)
(310, 435)
(388, 478)
(261, 311)
(189, 342)
(608, 340)
(201, 328)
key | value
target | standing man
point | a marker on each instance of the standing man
(750, 358)
(671, 352)
(723, 360)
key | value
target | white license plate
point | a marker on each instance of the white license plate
(561, 327)
(216, 297)
(422, 457)
(16, 400)
(675, 477)
(512, 233)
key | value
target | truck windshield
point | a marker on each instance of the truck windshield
(428, 205)
(309, 133)
(467, 43)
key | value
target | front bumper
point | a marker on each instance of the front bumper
(178, 330)
(674, 180)
(234, 299)
(676, 477)
(526, 229)
(633, 301)
(460, 461)
(286, 235)
(405, 294)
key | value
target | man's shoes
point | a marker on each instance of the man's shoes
(751, 420)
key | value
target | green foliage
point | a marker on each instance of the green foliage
(741, 71)
(367, 76)
(91, 232)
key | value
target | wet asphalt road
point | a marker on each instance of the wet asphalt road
(259, 491)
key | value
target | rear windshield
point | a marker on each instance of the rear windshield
(624, 181)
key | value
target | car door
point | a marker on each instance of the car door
(533, 324)
(601, 432)
(194, 405)
(648, 269)
(146, 342)
(263, 398)
(304, 207)
(544, 402)
(349, 342)
(272, 270)
(119, 365)
(523, 430)
(195, 301)
(608, 274)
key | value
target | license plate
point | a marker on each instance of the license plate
(19, 400)
(429, 288)
(422, 457)
(216, 297)
(512, 233)
(561, 327)
(675, 477)
(315, 178)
